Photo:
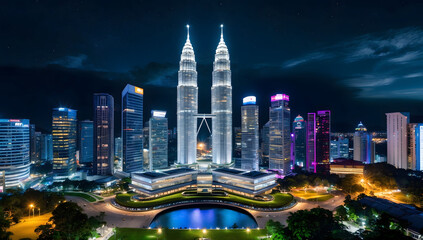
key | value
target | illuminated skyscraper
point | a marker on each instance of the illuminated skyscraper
(280, 133)
(104, 134)
(187, 106)
(419, 147)
(250, 134)
(132, 124)
(85, 141)
(221, 105)
(265, 136)
(46, 147)
(311, 142)
(362, 144)
(158, 136)
(14, 152)
(412, 142)
(323, 140)
(64, 142)
(339, 148)
(397, 138)
(300, 133)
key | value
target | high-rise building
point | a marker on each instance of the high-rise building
(158, 140)
(280, 133)
(323, 140)
(104, 122)
(187, 106)
(311, 142)
(265, 138)
(397, 138)
(250, 134)
(14, 152)
(32, 143)
(46, 147)
(362, 144)
(118, 147)
(85, 141)
(419, 147)
(300, 133)
(37, 155)
(221, 105)
(132, 126)
(237, 142)
(412, 132)
(145, 135)
(64, 142)
(339, 148)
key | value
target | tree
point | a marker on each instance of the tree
(4, 225)
(69, 222)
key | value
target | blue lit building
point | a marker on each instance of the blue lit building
(339, 148)
(103, 134)
(64, 131)
(250, 134)
(158, 136)
(419, 146)
(14, 152)
(132, 128)
(85, 142)
(300, 132)
(46, 147)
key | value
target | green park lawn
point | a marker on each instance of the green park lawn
(170, 234)
(279, 200)
(82, 195)
(312, 195)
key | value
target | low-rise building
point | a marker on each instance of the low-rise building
(342, 167)
(247, 183)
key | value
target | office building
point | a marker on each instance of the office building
(339, 148)
(158, 140)
(323, 140)
(417, 161)
(46, 147)
(221, 105)
(300, 143)
(362, 144)
(187, 106)
(397, 123)
(265, 138)
(64, 131)
(311, 142)
(250, 134)
(237, 142)
(104, 122)
(85, 142)
(118, 147)
(280, 133)
(132, 127)
(14, 152)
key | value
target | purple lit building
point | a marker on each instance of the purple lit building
(311, 142)
(323, 140)
(299, 140)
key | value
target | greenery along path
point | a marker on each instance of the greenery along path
(312, 195)
(279, 200)
(85, 196)
(148, 234)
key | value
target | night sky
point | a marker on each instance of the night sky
(359, 59)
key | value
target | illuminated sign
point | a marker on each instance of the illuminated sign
(249, 100)
(156, 113)
(14, 120)
(139, 90)
(62, 109)
(18, 124)
(279, 97)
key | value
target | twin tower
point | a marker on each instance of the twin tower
(221, 105)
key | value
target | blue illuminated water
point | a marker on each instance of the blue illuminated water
(203, 217)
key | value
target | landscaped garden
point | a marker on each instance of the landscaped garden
(230, 234)
(279, 200)
(312, 195)
(82, 195)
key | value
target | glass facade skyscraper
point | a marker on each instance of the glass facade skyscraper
(362, 144)
(187, 106)
(311, 142)
(158, 140)
(14, 152)
(265, 145)
(132, 127)
(339, 148)
(397, 123)
(250, 134)
(280, 133)
(323, 140)
(85, 141)
(221, 105)
(104, 122)
(64, 142)
(300, 132)
(419, 146)
(46, 147)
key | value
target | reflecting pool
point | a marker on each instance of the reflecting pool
(203, 217)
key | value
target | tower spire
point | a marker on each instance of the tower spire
(187, 32)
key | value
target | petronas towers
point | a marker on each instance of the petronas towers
(221, 105)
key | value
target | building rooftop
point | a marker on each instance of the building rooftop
(254, 174)
(154, 175)
(241, 173)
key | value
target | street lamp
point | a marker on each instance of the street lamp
(31, 206)
(204, 232)
(159, 231)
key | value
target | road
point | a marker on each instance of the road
(120, 218)
(25, 229)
